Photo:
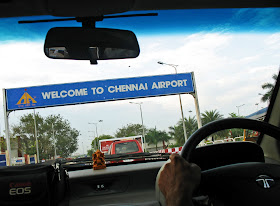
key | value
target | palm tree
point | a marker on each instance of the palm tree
(233, 115)
(209, 116)
(177, 131)
(155, 136)
(235, 132)
(270, 86)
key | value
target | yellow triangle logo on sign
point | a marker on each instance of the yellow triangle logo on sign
(25, 99)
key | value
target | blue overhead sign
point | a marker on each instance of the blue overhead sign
(98, 91)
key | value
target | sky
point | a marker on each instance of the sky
(232, 53)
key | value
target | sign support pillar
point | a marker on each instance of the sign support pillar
(198, 116)
(35, 133)
(195, 97)
(7, 133)
(143, 131)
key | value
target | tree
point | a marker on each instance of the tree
(90, 152)
(209, 116)
(155, 136)
(65, 137)
(233, 115)
(26, 131)
(270, 86)
(105, 136)
(130, 130)
(177, 131)
(235, 132)
(95, 142)
(213, 115)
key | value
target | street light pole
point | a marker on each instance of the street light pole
(94, 141)
(238, 108)
(143, 131)
(96, 129)
(95, 123)
(181, 107)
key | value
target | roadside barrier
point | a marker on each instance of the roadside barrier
(229, 140)
(170, 150)
(18, 161)
(178, 149)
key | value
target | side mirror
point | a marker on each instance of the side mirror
(90, 44)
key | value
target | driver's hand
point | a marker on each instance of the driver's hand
(178, 180)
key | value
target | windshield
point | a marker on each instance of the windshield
(230, 55)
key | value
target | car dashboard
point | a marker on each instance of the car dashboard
(134, 184)
(124, 184)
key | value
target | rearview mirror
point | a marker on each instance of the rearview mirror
(90, 44)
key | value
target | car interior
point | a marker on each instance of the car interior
(231, 172)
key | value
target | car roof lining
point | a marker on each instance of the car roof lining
(63, 8)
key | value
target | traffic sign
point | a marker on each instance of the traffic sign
(98, 91)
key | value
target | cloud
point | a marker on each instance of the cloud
(273, 41)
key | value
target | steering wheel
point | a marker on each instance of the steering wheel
(250, 183)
